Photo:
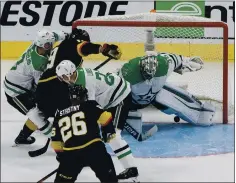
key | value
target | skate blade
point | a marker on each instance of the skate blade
(133, 179)
(20, 145)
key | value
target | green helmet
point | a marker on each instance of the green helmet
(148, 65)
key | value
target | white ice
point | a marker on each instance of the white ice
(17, 166)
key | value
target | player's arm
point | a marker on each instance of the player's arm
(181, 64)
(107, 127)
(60, 35)
(131, 71)
(56, 139)
(86, 48)
(105, 118)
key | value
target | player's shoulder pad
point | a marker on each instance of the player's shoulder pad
(105, 118)
(162, 67)
(131, 67)
(80, 77)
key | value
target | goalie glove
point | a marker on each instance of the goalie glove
(112, 51)
(191, 65)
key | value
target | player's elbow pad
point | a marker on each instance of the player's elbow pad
(57, 146)
(87, 48)
(105, 118)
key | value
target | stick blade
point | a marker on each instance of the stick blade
(40, 151)
(149, 133)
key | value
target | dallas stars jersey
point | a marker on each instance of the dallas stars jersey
(27, 70)
(143, 92)
(107, 89)
(77, 126)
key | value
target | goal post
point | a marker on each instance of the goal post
(155, 21)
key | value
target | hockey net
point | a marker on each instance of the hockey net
(185, 35)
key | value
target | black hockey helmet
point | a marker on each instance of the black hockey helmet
(78, 94)
(80, 34)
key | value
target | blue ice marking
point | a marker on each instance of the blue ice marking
(178, 140)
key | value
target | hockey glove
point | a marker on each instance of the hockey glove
(112, 51)
(191, 65)
(108, 132)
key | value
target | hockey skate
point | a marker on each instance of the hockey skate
(21, 139)
(129, 173)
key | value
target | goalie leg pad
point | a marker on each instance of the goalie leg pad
(122, 150)
(39, 120)
(184, 105)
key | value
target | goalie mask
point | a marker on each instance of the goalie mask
(148, 65)
(78, 94)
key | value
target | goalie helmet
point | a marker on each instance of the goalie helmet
(78, 94)
(148, 65)
(66, 67)
(45, 39)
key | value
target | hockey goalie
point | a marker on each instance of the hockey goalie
(148, 75)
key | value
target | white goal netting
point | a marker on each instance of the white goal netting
(206, 40)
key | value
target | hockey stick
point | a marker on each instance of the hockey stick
(40, 151)
(47, 176)
(103, 63)
(140, 136)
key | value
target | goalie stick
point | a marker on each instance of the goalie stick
(42, 150)
(140, 136)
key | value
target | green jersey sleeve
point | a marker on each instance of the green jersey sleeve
(162, 66)
(80, 80)
(131, 71)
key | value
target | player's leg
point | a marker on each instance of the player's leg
(23, 104)
(71, 164)
(175, 100)
(101, 163)
(119, 145)
(38, 117)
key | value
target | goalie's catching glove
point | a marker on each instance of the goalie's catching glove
(111, 50)
(190, 65)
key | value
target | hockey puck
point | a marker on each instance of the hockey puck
(176, 119)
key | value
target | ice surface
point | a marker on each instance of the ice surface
(17, 166)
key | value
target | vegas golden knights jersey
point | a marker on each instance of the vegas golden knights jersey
(77, 126)
(50, 92)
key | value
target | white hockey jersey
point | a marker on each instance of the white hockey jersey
(107, 89)
(24, 75)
